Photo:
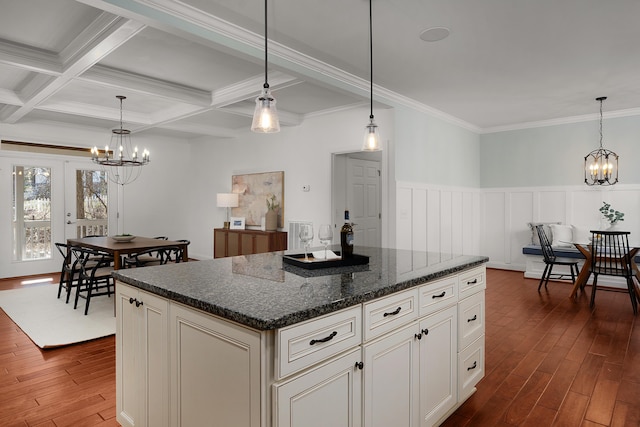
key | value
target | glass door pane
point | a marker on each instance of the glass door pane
(92, 201)
(31, 213)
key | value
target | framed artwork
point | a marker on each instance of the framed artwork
(236, 223)
(256, 192)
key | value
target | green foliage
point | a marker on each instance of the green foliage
(611, 214)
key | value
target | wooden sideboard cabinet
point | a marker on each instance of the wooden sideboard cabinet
(227, 242)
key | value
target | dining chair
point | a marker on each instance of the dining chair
(551, 260)
(95, 275)
(140, 259)
(611, 256)
(152, 256)
(68, 270)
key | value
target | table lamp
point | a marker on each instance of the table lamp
(227, 200)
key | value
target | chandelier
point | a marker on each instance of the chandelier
(123, 164)
(371, 134)
(600, 165)
(265, 115)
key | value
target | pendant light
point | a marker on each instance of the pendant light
(265, 115)
(124, 164)
(371, 134)
(600, 165)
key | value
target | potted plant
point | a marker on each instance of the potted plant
(611, 215)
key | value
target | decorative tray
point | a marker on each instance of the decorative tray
(315, 263)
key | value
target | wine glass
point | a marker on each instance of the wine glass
(325, 234)
(306, 236)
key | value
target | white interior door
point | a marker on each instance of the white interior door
(363, 200)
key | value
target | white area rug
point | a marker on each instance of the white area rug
(49, 322)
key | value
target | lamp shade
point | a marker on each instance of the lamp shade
(227, 200)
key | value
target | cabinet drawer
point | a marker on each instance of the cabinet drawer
(471, 281)
(437, 295)
(470, 368)
(471, 321)
(304, 344)
(388, 313)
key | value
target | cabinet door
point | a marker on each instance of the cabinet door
(263, 243)
(391, 380)
(246, 246)
(219, 243)
(438, 365)
(142, 361)
(215, 371)
(233, 243)
(328, 395)
(128, 399)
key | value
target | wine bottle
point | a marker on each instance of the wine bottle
(346, 237)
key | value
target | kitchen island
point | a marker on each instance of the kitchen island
(251, 341)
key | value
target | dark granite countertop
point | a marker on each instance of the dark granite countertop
(262, 292)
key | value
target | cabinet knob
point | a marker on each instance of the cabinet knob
(359, 365)
(419, 336)
(425, 331)
(139, 303)
(132, 300)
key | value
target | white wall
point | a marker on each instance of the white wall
(303, 153)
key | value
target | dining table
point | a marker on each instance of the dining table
(119, 248)
(585, 249)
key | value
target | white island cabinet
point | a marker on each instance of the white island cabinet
(408, 358)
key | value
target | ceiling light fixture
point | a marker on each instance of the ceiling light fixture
(600, 165)
(122, 166)
(371, 134)
(265, 115)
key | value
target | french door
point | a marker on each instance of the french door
(45, 200)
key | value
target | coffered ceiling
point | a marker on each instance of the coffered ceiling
(193, 68)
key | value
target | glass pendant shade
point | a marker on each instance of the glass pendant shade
(265, 115)
(371, 137)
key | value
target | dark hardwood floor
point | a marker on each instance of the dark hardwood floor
(549, 361)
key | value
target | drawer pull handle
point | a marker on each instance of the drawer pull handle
(393, 313)
(475, 316)
(473, 282)
(475, 365)
(359, 365)
(438, 296)
(325, 339)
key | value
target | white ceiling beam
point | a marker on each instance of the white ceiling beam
(251, 88)
(28, 58)
(130, 82)
(103, 36)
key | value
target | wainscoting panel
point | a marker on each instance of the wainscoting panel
(438, 219)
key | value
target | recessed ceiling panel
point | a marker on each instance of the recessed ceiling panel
(167, 57)
(44, 24)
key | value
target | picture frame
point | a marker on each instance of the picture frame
(236, 223)
(253, 190)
